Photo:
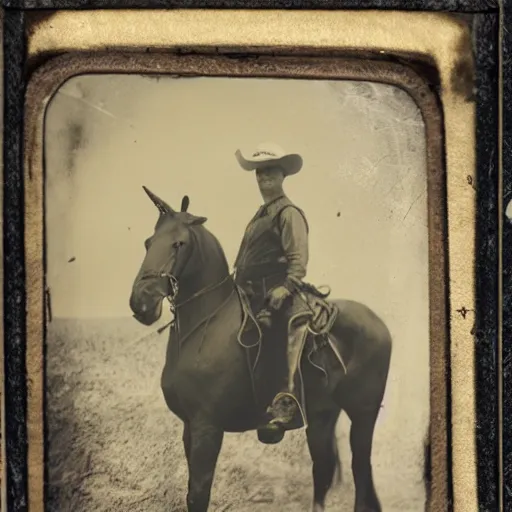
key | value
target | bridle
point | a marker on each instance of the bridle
(174, 307)
(173, 279)
(174, 290)
(171, 296)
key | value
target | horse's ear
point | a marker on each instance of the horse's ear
(184, 203)
(162, 206)
(195, 221)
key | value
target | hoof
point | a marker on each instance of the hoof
(271, 434)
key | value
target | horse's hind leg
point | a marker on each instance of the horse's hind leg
(202, 446)
(324, 453)
(361, 438)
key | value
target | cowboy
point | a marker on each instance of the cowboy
(271, 263)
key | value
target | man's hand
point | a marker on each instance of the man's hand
(278, 296)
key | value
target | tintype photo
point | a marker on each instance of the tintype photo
(237, 295)
(250, 266)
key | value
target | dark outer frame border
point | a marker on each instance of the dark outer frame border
(506, 253)
(488, 248)
(462, 6)
(486, 50)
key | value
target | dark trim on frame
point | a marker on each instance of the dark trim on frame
(15, 389)
(506, 248)
(486, 267)
(462, 6)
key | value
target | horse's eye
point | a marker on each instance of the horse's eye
(178, 244)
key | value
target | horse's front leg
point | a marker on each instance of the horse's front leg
(202, 446)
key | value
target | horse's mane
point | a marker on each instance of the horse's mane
(208, 246)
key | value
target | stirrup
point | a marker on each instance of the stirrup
(288, 415)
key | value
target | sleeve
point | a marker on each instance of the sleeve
(294, 237)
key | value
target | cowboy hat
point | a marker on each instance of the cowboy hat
(269, 154)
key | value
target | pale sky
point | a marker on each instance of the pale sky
(363, 184)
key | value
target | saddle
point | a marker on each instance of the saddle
(251, 337)
(321, 320)
(324, 313)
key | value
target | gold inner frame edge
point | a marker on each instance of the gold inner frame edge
(274, 30)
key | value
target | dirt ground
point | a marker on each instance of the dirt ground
(114, 446)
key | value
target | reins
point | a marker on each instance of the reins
(202, 291)
(174, 307)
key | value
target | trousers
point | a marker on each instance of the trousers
(295, 313)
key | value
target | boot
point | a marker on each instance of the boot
(287, 404)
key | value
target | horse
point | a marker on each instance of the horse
(206, 379)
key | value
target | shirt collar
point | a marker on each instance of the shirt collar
(264, 208)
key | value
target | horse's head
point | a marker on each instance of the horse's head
(168, 251)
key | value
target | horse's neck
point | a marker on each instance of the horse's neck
(208, 264)
(203, 284)
(208, 286)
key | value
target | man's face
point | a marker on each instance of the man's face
(269, 178)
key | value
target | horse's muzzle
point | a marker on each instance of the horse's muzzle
(145, 309)
(144, 320)
(149, 316)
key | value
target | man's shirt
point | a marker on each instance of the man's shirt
(277, 235)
